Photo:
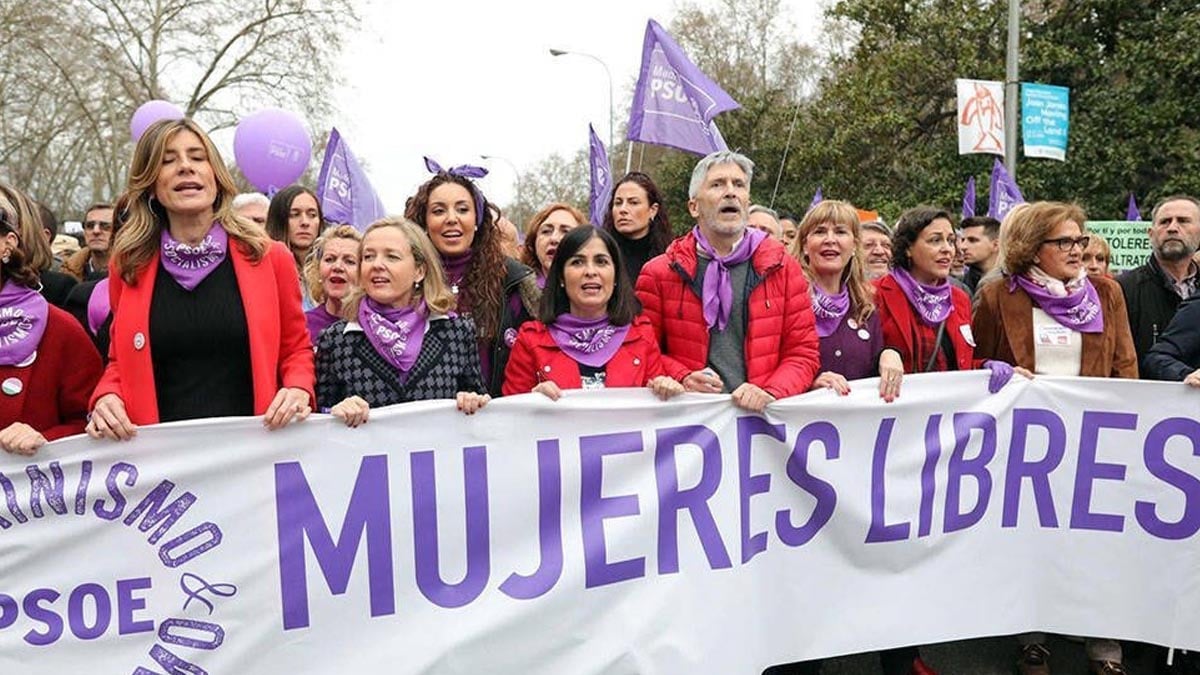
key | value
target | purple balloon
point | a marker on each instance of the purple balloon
(150, 112)
(272, 149)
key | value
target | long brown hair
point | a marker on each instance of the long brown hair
(483, 287)
(26, 221)
(137, 244)
(17, 267)
(862, 294)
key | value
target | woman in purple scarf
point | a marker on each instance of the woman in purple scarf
(399, 341)
(48, 365)
(588, 335)
(330, 273)
(829, 248)
(1047, 315)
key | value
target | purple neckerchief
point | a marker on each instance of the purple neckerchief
(932, 303)
(98, 306)
(828, 309)
(191, 264)
(22, 322)
(540, 280)
(1078, 310)
(396, 333)
(717, 297)
(467, 171)
(318, 319)
(591, 342)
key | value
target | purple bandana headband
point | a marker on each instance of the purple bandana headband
(468, 172)
(191, 264)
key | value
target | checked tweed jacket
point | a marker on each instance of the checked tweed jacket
(347, 365)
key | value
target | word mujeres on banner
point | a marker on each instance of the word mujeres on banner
(608, 532)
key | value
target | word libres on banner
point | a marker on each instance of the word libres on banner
(609, 532)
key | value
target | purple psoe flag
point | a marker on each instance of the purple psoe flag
(968, 205)
(344, 190)
(601, 176)
(1004, 192)
(674, 103)
(817, 198)
(1132, 212)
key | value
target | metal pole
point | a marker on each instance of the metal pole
(783, 162)
(608, 73)
(629, 157)
(1012, 87)
(512, 166)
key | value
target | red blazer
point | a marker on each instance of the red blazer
(55, 387)
(898, 321)
(781, 345)
(536, 358)
(280, 352)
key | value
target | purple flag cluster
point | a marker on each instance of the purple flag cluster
(674, 102)
(1004, 192)
(343, 188)
(601, 176)
(968, 204)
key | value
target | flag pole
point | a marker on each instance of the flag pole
(629, 157)
(1011, 84)
(786, 146)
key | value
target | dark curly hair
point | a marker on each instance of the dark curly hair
(660, 226)
(483, 288)
(909, 227)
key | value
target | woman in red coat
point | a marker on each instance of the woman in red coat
(588, 335)
(48, 365)
(206, 309)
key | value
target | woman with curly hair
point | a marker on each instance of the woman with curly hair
(206, 309)
(637, 219)
(543, 234)
(498, 292)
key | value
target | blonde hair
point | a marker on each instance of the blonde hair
(136, 245)
(1025, 228)
(23, 215)
(311, 274)
(433, 289)
(862, 294)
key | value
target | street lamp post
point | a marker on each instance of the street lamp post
(597, 59)
(512, 166)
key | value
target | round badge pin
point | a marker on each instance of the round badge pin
(139, 341)
(862, 333)
(12, 386)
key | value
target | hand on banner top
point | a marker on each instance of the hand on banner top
(150, 112)
(272, 148)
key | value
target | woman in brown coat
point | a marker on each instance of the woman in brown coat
(1045, 314)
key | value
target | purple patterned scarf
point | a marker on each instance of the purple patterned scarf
(1074, 305)
(23, 314)
(717, 298)
(932, 303)
(191, 264)
(396, 333)
(828, 309)
(591, 342)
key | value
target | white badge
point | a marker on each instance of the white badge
(965, 329)
(12, 386)
(863, 334)
(1052, 335)
(139, 341)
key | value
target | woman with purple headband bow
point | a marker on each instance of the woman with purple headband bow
(206, 309)
(498, 292)
(1047, 315)
(48, 366)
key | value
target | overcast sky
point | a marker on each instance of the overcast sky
(454, 80)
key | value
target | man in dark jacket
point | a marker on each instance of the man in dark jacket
(1154, 290)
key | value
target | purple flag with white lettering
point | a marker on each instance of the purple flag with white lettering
(345, 192)
(968, 205)
(674, 103)
(601, 176)
(1132, 212)
(1004, 193)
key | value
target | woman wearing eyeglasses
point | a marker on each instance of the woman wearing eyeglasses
(1047, 315)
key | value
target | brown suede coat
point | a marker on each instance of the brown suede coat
(1003, 327)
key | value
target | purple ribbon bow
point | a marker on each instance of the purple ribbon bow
(467, 171)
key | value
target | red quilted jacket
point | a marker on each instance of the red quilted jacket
(781, 348)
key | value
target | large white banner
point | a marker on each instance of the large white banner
(609, 533)
(980, 116)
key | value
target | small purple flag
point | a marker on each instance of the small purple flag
(817, 198)
(968, 205)
(344, 190)
(1004, 193)
(1132, 212)
(674, 103)
(601, 176)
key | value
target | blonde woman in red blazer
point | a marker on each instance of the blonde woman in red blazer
(206, 309)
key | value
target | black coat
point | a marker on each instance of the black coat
(1151, 301)
(348, 365)
(1177, 352)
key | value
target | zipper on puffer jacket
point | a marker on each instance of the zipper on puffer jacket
(688, 282)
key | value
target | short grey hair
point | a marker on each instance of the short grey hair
(248, 198)
(878, 226)
(713, 159)
(759, 208)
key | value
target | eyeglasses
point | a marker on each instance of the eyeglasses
(102, 224)
(1065, 244)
